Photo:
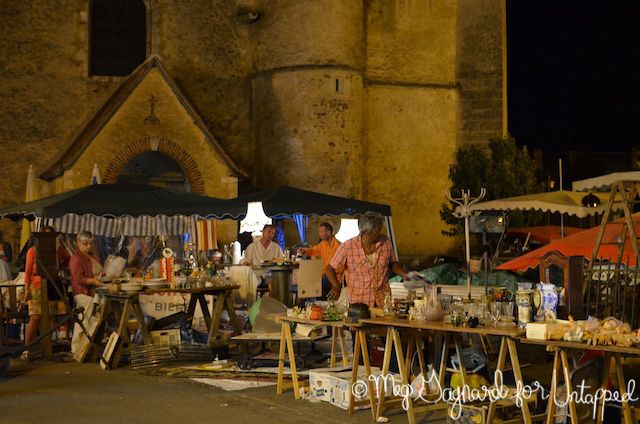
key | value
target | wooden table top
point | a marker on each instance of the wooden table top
(441, 326)
(276, 267)
(204, 290)
(9, 285)
(275, 337)
(583, 346)
(298, 320)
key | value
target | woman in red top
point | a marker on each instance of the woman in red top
(83, 281)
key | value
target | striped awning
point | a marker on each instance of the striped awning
(122, 226)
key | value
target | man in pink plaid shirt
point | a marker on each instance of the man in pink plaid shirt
(366, 260)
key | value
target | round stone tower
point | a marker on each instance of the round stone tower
(307, 95)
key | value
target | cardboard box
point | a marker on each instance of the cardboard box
(537, 330)
(320, 383)
(335, 386)
(166, 336)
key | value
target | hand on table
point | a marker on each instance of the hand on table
(94, 282)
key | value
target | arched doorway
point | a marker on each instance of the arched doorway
(157, 149)
(156, 169)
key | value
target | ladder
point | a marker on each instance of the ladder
(623, 196)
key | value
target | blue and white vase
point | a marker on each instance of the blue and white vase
(548, 297)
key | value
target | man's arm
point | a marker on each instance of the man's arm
(397, 269)
(311, 251)
(336, 287)
(248, 256)
(338, 261)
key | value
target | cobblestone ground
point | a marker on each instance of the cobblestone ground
(68, 392)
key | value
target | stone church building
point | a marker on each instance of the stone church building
(361, 98)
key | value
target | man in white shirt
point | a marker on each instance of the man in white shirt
(264, 249)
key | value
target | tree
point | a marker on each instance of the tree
(501, 167)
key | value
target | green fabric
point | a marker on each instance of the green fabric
(449, 274)
(253, 312)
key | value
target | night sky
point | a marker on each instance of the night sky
(573, 74)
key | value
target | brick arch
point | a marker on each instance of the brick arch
(161, 145)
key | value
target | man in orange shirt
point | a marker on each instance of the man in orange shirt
(325, 249)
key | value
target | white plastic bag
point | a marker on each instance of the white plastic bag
(343, 301)
(433, 310)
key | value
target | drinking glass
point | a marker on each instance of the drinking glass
(496, 311)
(507, 309)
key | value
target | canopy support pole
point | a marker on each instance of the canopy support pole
(464, 211)
(392, 235)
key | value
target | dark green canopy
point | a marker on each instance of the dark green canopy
(119, 200)
(284, 201)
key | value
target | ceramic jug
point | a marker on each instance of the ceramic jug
(525, 306)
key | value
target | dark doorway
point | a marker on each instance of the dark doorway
(156, 169)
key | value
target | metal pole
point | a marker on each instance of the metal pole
(561, 215)
(464, 211)
(468, 252)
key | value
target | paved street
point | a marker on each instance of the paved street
(75, 393)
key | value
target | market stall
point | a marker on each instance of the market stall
(581, 244)
(134, 222)
(124, 303)
(449, 332)
(290, 202)
(361, 351)
(561, 201)
(610, 338)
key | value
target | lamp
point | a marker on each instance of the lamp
(591, 201)
(255, 219)
(348, 229)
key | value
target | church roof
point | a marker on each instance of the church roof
(74, 149)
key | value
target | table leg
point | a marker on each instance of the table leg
(283, 344)
(362, 340)
(142, 325)
(354, 368)
(334, 347)
(409, 355)
(551, 405)
(191, 309)
(517, 373)
(292, 362)
(502, 357)
(122, 331)
(231, 310)
(403, 373)
(420, 350)
(205, 308)
(622, 388)
(386, 362)
(442, 372)
(215, 320)
(343, 348)
(605, 381)
(457, 341)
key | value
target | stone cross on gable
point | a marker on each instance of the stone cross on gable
(152, 118)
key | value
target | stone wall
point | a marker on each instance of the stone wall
(479, 70)
(308, 130)
(411, 116)
(360, 98)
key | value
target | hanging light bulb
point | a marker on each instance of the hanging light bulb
(255, 219)
(348, 229)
